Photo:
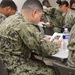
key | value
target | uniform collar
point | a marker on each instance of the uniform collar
(23, 17)
(2, 15)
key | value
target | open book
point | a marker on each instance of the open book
(57, 36)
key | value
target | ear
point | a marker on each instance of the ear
(8, 9)
(34, 13)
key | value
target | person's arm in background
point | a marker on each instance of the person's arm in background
(46, 17)
(58, 21)
(69, 20)
(53, 18)
(32, 39)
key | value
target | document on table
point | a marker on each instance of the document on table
(62, 54)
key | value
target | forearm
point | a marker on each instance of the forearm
(48, 48)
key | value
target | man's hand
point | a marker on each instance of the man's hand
(58, 42)
(47, 38)
(47, 24)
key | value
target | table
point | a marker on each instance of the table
(60, 56)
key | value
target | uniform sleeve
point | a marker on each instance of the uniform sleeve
(71, 44)
(32, 39)
(46, 17)
(71, 47)
(70, 23)
(69, 20)
(43, 18)
(2, 18)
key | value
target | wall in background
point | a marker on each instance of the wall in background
(19, 3)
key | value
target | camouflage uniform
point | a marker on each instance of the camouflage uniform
(2, 18)
(70, 18)
(71, 47)
(54, 16)
(18, 39)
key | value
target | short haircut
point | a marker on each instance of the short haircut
(10, 3)
(44, 1)
(31, 5)
(62, 3)
(71, 2)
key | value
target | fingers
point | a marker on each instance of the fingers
(47, 38)
(58, 42)
(47, 24)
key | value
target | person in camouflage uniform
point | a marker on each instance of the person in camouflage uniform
(54, 16)
(71, 48)
(70, 16)
(71, 42)
(46, 4)
(7, 8)
(20, 36)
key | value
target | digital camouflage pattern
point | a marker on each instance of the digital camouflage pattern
(71, 47)
(2, 18)
(54, 16)
(70, 18)
(18, 39)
